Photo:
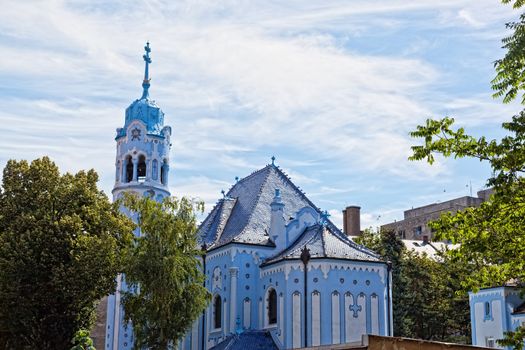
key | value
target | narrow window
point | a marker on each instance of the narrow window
(117, 174)
(217, 314)
(155, 170)
(487, 310)
(141, 169)
(272, 307)
(129, 169)
(164, 172)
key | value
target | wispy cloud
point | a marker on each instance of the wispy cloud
(330, 87)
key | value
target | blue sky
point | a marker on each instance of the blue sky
(331, 88)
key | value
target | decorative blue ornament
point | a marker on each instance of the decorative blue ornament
(324, 218)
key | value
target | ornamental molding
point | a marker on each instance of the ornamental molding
(271, 271)
(220, 253)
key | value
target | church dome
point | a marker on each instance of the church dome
(144, 109)
(148, 112)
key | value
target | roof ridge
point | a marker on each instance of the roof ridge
(256, 201)
(292, 245)
(232, 341)
(208, 225)
(303, 195)
(254, 173)
(323, 243)
(223, 226)
(344, 238)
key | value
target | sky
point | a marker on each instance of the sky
(330, 88)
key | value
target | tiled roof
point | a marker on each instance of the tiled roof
(243, 216)
(248, 218)
(324, 242)
(431, 249)
(248, 340)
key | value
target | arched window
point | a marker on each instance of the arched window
(272, 306)
(129, 169)
(217, 314)
(141, 168)
(164, 172)
(487, 311)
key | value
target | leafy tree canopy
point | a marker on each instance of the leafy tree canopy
(82, 341)
(166, 293)
(60, 242)
(492, 236)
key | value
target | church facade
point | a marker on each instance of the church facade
(281, 274)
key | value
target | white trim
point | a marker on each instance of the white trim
(296, 320)
(316, 318)
(336, 318)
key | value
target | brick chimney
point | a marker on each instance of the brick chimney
(425, 240)
(352, 220)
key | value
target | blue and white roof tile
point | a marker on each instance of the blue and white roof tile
(323, 242)
(243, 216)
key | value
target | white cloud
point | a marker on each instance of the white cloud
(238, 81)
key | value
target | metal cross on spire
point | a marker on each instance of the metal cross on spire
(147, 60)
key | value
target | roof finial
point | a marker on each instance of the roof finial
(273, 160)
(223, 194)
(147, 60)
(324, 218)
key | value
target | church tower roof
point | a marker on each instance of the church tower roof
(144, 108)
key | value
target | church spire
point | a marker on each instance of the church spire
(145, 83)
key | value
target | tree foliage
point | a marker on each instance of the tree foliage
(165, 283)
(60, 242)
(82, 341)
(510, 77)
(425, 302)
(492, 236)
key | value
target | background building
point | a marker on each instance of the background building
(414, 226)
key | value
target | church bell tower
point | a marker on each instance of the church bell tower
(142, 167)
(143, 145)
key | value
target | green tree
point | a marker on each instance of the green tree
(60, 242)
(82, 341)
(425, 303)
(166, 293)
(492, 236)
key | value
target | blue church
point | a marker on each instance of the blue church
(281, 274)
